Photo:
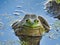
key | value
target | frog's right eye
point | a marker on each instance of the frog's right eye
(36, 21)
(28, 20)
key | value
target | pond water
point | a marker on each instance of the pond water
(12, 10)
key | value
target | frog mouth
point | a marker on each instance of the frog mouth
(30, 27)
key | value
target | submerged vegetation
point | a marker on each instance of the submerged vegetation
(53, 8)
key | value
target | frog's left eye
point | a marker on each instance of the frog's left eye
(36, 21)
(28, 20)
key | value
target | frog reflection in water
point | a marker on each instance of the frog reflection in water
(30, 29)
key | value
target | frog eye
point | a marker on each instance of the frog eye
(28, 20)
(36, 21)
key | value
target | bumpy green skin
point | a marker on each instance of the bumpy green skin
(30, 31)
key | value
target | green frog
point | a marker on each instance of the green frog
(30, 29)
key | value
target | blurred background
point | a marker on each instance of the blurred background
(13, 10)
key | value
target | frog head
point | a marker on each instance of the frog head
(31, 21)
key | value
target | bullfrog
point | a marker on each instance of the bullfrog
(31, 28)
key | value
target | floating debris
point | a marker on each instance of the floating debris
(55, 34)
(16, 13)
(53, 8)
(16, 10)
(22, 11)
(19, 6)
(52, 37)
(56, 26)
(57, 30)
